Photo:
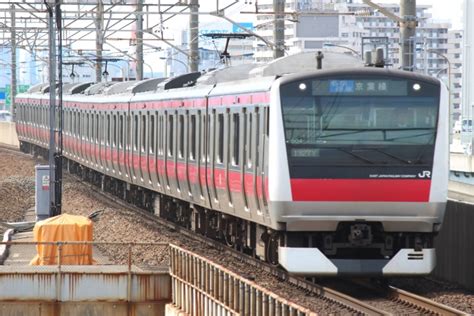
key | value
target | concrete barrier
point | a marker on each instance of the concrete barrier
(8, 134)
(455, 245)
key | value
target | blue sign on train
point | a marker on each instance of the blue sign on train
(341, 86)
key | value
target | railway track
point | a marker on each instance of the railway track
(391, 299)
(347, 302)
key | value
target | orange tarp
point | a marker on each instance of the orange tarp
(63, 228)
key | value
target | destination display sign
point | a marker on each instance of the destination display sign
(363, 87)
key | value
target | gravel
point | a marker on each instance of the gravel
(117, 224)
(440, 291)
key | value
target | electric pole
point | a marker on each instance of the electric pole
(99, 43)
(13, 63)
(279, 28)
(194, 36)
(407, 23)
(139, 38)
(407, 34)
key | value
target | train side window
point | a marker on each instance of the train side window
(181, 136)
(143, 136)
(220, 136)
(170, 134)
(152, 133)
(236, 138)
(135, 138)
(192, 144)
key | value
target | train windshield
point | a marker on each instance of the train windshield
(360, 121)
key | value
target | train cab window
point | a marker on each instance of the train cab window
(152, 133)
(135, 138)
(236, 138)
(170, 135)
(192, 140)
(143, 134)
(181, 136)
(220, 136)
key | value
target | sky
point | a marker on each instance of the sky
(450, 10)
(446, 10)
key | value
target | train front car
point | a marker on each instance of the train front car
(358, 175)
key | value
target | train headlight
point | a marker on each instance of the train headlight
(302, 86)
(416, 87)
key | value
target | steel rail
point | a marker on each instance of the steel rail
(422, 302)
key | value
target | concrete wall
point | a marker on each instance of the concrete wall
(455, 245)
(82, 308)
(8, 134)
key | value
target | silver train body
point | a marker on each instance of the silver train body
(309, 164)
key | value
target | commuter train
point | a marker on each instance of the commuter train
(334, 171)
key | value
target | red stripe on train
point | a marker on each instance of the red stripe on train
(361, 190)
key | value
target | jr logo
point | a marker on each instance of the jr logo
(425, 174)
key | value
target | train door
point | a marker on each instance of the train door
(144, 149)
(170, 153)
(182, 155)
(73, 133)
(83, 138)
(152, 150)
(212, 158)
(120, 144)
(204, 156)
(193, 157)
(100, 139)
(234, 165)
(262, 151)
(134, 161)
(113, 143)
(250, 177)
(221, 158)
(160, 151)
(128, 145)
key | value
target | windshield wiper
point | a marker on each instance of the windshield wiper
(408, 162)
(353, 155)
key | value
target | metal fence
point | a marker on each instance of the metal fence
(201, 287)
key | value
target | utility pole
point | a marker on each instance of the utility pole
(52, 103)
(407, 23)
(467, 136)
(99, 43)
(194, 36)
(407, 34)
(13, 63)
(139, 38)
(279, 28)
